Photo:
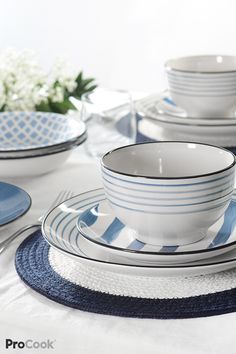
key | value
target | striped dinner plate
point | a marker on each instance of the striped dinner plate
(60, 231)
(103, 232)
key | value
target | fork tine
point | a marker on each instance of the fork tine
(57, 200)
(65, 196)
(70, 194)
(60, 198)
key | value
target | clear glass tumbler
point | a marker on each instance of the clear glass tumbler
(110, 119)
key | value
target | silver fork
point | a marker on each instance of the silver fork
(62, 196)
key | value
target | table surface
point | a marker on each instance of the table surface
(25, 314)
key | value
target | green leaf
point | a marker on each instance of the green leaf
(62, 107)
(84, 85)
(43, 107)
(79, 78)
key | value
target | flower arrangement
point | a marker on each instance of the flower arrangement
(24, 86)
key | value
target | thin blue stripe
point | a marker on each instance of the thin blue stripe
(166, 205)
(165, 213)
(174, 199)
(165, 185)
(172, 192)
(70, 206)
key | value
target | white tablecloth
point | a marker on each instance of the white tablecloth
(24, 314)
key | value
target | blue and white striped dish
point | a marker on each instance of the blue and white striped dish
(179, 188)
(103, 230)
(60, 231)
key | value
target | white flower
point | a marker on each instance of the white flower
(63, 75)
(21, 78)
(23, 84)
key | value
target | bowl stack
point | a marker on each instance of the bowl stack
(205, 86)
(200, 104)
(34, 143)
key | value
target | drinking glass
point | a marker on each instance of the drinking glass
(110, 119)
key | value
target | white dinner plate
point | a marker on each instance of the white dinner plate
(161, 107)
(164, 121)
(60, 231)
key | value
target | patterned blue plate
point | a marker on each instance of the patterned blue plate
(14, 202)
(103, 232)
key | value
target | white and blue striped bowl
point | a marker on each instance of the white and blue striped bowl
(176, 188)
(203, 85)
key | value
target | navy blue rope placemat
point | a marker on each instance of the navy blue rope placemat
(34, 269)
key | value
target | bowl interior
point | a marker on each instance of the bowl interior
(203, 64)
(168, 160)
(25, 130)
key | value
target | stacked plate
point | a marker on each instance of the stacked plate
(167, 225)
(200, 104)
(85, 228)
(33, 143)
(163, 120)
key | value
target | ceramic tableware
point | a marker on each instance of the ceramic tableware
(31, 131)
(60, 231)
(102, 232)
(34, 143)
(177, 188)
(14, 203)
(203, 85)
(163, 120)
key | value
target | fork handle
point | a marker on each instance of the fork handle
(4, 244)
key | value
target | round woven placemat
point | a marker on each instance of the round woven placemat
(34, 268)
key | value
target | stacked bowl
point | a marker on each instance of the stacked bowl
(34, 143)
(205, 86)
(199, 105)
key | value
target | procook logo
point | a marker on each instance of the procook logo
(29, 344)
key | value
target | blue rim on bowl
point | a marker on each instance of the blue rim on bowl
(44, 152)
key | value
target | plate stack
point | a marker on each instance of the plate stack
(167, 209)
(200, 104)
(33, 143)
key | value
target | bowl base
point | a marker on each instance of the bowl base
(170, 240)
